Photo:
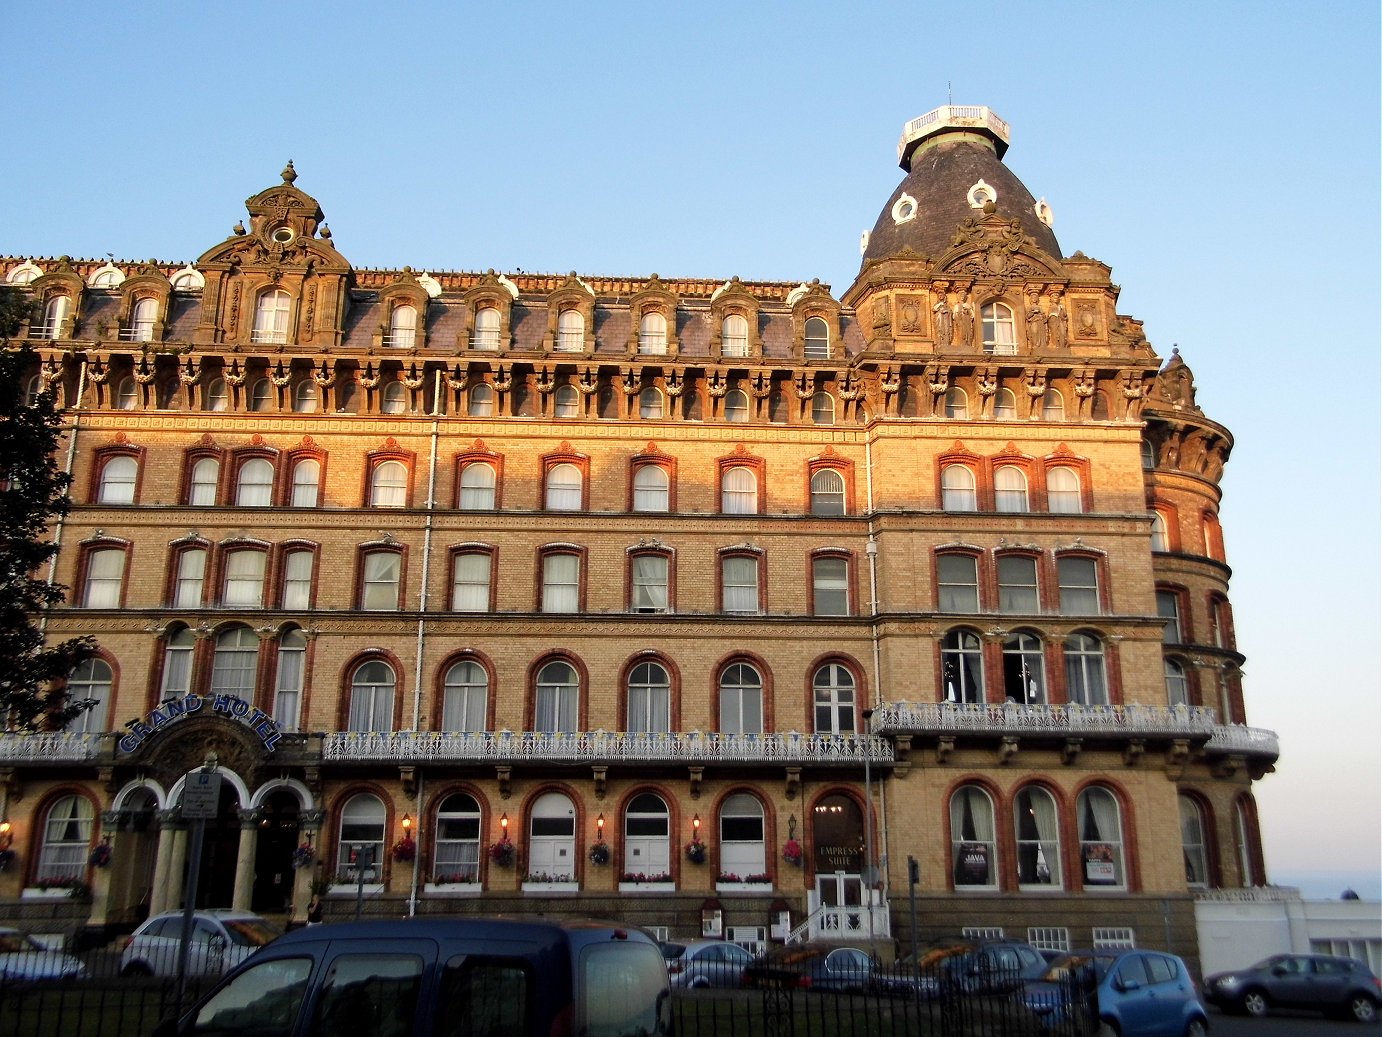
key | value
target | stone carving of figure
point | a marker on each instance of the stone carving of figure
(964, 322)
(1036, 325)
(1056, 327)
(1214, 463)
(945, 322)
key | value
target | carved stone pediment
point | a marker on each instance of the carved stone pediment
(992, 246)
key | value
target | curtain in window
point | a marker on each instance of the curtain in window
(557, 692)
(1010, 489)
(372, 698)
(962, 667)
(362, 838)
(741, 700)
(477, 487)
(470, 593)
(739, 492)
(205, 474)
(66, 840)
(306, 475)
(91, 681)
(958, 579)
(561, 574)
(740, 584)
(105, 573)
(972, 838)
(117, 481)
(650, 583)
(649, 694)
(1101, 838)
(1192, 842)
(1084, 671)
(564, 488)
(244, 579)
(234, 663)
(254, 488)
(1024, 670)
(292, 660)
(1079, 586)
(297, 579)
(458, 840)
(650, 488)
(830, 583)
(382, 572)
(827, 492)
(957, 488)
(463, 699)
(390, 485)
(1017, 584)
(1038, 839)
(177, 663)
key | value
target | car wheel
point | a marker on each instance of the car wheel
(1362, 1008)
(1254, 1003)
(1106, 1029)
(1197, 1028)
(699, 983)
(137, 968)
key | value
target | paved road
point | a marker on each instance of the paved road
(1296, 1024)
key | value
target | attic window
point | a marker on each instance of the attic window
(980, 195)
(904, 209)
(283, 235)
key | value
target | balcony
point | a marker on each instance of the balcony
(49, 747)
(604, 747)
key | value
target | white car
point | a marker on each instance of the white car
(221, 939)
(23, 957)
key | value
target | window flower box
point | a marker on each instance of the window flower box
(45, 893)
(647, 887)
(349, 889)
(472, 889)
(551, 887)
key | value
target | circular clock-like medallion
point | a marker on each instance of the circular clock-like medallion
(282, 235)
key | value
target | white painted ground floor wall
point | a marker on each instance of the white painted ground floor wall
(1239, 927)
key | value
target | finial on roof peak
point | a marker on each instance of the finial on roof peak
(289, 174)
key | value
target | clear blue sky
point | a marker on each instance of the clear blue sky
(1222, 157)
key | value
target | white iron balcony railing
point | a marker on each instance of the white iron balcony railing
(605, 746)
(44, 329)
(48, 747)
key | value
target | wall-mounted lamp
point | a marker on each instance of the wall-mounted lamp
(504, 824)
(696, 825)
(6, 835)
(407, 824)
(600, 827)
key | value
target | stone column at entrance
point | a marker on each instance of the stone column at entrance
(244, 859)
(172, 850)
(310, 823)
(100, 877)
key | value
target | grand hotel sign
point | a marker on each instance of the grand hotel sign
(174, 710)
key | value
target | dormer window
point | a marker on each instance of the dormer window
(403, 327)
(54, 313)
(652, 334)
(570, 331)
(1000, 330)
(142, 319)
(734, 336)
(486, 334)
(817, 339)
(271, 317)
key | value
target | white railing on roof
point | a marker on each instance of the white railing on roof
(605, 746)
(21, 747)
(1250, 895)
(958, 115)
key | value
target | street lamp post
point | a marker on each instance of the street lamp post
(870, 875)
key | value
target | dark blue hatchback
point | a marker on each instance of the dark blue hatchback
(442, 978)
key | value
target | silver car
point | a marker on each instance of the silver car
(23, 957)
(221, 939)
(705, 963)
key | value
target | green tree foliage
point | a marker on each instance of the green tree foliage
(33, 491)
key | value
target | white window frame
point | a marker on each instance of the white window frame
(557, 699)
(119, 476)
(478, 482)
(833, 689)
(741, 700)
(739, 584)
(734, 336)
(381, 576)
(271, 312)
(465, 695)
(487, 327)
(830, 585)
(954, 594)
(389, 485)
(561, 582)
(959, 488)
(739, 491)
(471, 580)
(105, 578)
(827, 492)
(1010, 490)
(298, 566)
(1086, 670)
(651, 488)
(1000, 329)
(289, 677)
(966, 850)
(652, 334)
(1018, 590)
(565, 489)
(373, 690)
(243, 585)
(1063, 493)
(649, 582)
(189, 583)
(254, 483)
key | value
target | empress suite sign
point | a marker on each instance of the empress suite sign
(176, 709)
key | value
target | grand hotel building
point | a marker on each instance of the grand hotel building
(488, 591)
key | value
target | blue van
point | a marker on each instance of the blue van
(442, 978)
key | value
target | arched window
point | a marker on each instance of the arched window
(189, 582)
(1148, 455)
(243, 585)
(956, 403)
(361, 839)
(480, 402)
(739, 491)
(833, 686)
(972, 848)
(126, 394)
(177, 664)
(118, 477)
(829, 586)
(66, 840)
(558, 698)
(1024, 670)
(552, 838)
(957, 578)
(297, 579)
(1004, 405)
(1017, 584)
(105, 578)
(817, 339)
(395, 398)
(403, 327)
(1038, 839)
(288, 681)
(652, 334)
(957, 488)
(1010, 489)
(827, 492)
(570, 331)
(1160, 541)
(651, 486)
(487, 324)
(305, 397)
(217, 396)
(1000, 330)
(381, 576)
(1177, 686)
(1063, 491)
(261, 394)
(1101, 838)
(823, 409)
(647, 831)
(1052, 406)
(271, 317)
(650, 402)
(650, 583)
(566, 402)
(742, 847)
(464, 694)
(470, 581)
(91, 681)
(234, 662)
(477, 487)
(457, 840)
(741, 700)
(306, 482)
(1243, 829)
(1192, 840)
(254, 484)
(962, 666)
(734, 336)
(561, 581)
(142, 319)
(1085, 680)
(389, 485)
(649, 699)
(372, 692)
(201, 489)
(54, 313)
(564, 488)
(736, 406)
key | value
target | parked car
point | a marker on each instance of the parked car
(705, 963)
(442, 978)
(812, 966)
(1334, 985)
(1133, 993)
(221, 939)
(963, 965)
(23, 957)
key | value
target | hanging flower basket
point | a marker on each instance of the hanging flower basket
(791, 852)
(502, 853)
(100, 856)
(695, 851)
(599, 853)
(303, 857)
(7, 857)
(404, 850)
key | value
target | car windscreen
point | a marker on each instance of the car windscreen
(1075, 964)
(250, 932)
(623, 991)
